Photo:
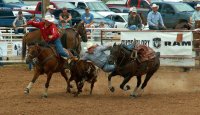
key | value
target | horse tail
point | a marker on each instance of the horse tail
(24, 46)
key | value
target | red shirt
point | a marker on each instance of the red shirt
(46, 31)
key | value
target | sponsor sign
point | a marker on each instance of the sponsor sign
(178, 44)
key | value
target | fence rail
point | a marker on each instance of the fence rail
(100, 35)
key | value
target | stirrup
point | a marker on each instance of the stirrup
(64, 57)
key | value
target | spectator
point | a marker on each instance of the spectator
(95, 53)
(134, 20)
(65, 19)
(50, 10)
(19, 21)
(195, 15)
(154, 19)
(87, 18)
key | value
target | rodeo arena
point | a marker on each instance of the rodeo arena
(99, 57)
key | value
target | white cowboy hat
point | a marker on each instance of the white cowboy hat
(89, 45)
(197, 6)
(154, 5)
(49, 18)
(134, 9)
(51, 7)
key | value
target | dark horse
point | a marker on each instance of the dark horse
(47, 62)
(128, 67)
(70, 38)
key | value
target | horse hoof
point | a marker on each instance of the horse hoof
(128, 87)
(44, 96)
(133, 95)
(26, 91)
(112, 89)
(76, 94)
(70, 86)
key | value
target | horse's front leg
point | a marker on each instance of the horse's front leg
(112, 89)
(35, 77)
(45, 94)
(63, 73)
(126, 79)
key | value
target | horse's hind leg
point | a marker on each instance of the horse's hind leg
(45, 94)
(28, 88)
(147, 78)
(134, 94)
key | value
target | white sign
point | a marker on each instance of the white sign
(164, 42)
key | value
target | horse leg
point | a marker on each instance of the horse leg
(65, 76)
(126, 79)
(112, 89)
(45, 94)
(147, 78)
(35, 77)
(134, 94)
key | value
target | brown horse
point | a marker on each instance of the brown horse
(47, 62)
(70, 38)
(128, 67)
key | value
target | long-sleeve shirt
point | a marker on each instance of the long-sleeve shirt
(195, 16)
(134, 21)
(46, 31)
(98, 57)
(154, 19)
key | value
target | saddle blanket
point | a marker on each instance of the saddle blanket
(145, 53)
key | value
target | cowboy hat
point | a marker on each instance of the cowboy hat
(154, 5)
(51, 7)
(197, 6)
(89, 45)
(49, 18)
(134, 9)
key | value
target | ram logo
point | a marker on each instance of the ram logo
(157, 42)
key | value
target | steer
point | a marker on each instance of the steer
(82, 71)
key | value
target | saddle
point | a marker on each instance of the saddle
(144, 53)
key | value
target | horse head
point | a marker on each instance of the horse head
(82, 31)
(119, 54)
(33, 52)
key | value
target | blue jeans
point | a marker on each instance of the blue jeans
(59, 48)
(108, 67)
(133, 27)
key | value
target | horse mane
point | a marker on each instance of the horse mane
(42, 44)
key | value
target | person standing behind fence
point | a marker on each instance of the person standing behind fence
(154, 19)
(65, 19)
(19, 21)
(134, 20)
(195, 15)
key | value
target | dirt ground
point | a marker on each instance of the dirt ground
(169, 92)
